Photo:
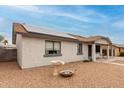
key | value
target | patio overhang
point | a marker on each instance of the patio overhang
(104, 44)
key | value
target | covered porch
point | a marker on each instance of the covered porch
(100, 49)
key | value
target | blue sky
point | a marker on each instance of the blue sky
(81, 20)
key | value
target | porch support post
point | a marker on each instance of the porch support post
(108, 51)
(112, 51)
(100, 51)
(93, 52)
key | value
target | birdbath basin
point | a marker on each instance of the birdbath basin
(66, 73)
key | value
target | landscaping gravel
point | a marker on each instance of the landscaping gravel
(86, 74)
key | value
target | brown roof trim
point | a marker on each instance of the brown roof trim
(91, 39)
(95, 38)
(81, 38)
(20, 29)
(17, 28)
(49, 37)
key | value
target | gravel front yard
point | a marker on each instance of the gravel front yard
(86, 75)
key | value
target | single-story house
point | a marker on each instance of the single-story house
(119, 48)
(37, 46)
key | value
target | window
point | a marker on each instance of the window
(104, 52)
(97, 48)
(52, 48)
(110, 52)
(79, 48)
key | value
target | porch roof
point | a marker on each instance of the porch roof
(91, 38)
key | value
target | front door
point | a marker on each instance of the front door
(89, 51)
(113, 52)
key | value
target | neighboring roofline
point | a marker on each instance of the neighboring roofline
(118, 45)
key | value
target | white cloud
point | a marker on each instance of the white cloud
(71, 16)
(86, 15)
(119, 24)
(30, 8)
(82, 14)
(94, 18)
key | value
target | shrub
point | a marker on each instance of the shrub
(86, 61)
(1, 38)
(122, 54)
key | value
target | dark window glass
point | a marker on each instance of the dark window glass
(79, 48)
(97, 48)
(53, 47)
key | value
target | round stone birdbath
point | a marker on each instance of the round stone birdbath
(66, 73)
(56, 64)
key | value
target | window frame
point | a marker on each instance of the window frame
(52, 55)
(98, 48)
(78, 48)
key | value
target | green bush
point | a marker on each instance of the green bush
(122, 54)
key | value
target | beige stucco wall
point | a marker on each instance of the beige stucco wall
(33, 50)
(19, 49)
(118, 51)
(103, 47)
(121, 49)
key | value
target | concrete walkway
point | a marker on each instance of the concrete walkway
(117, 64)
(112, 60)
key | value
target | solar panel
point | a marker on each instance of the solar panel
(46, 31)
